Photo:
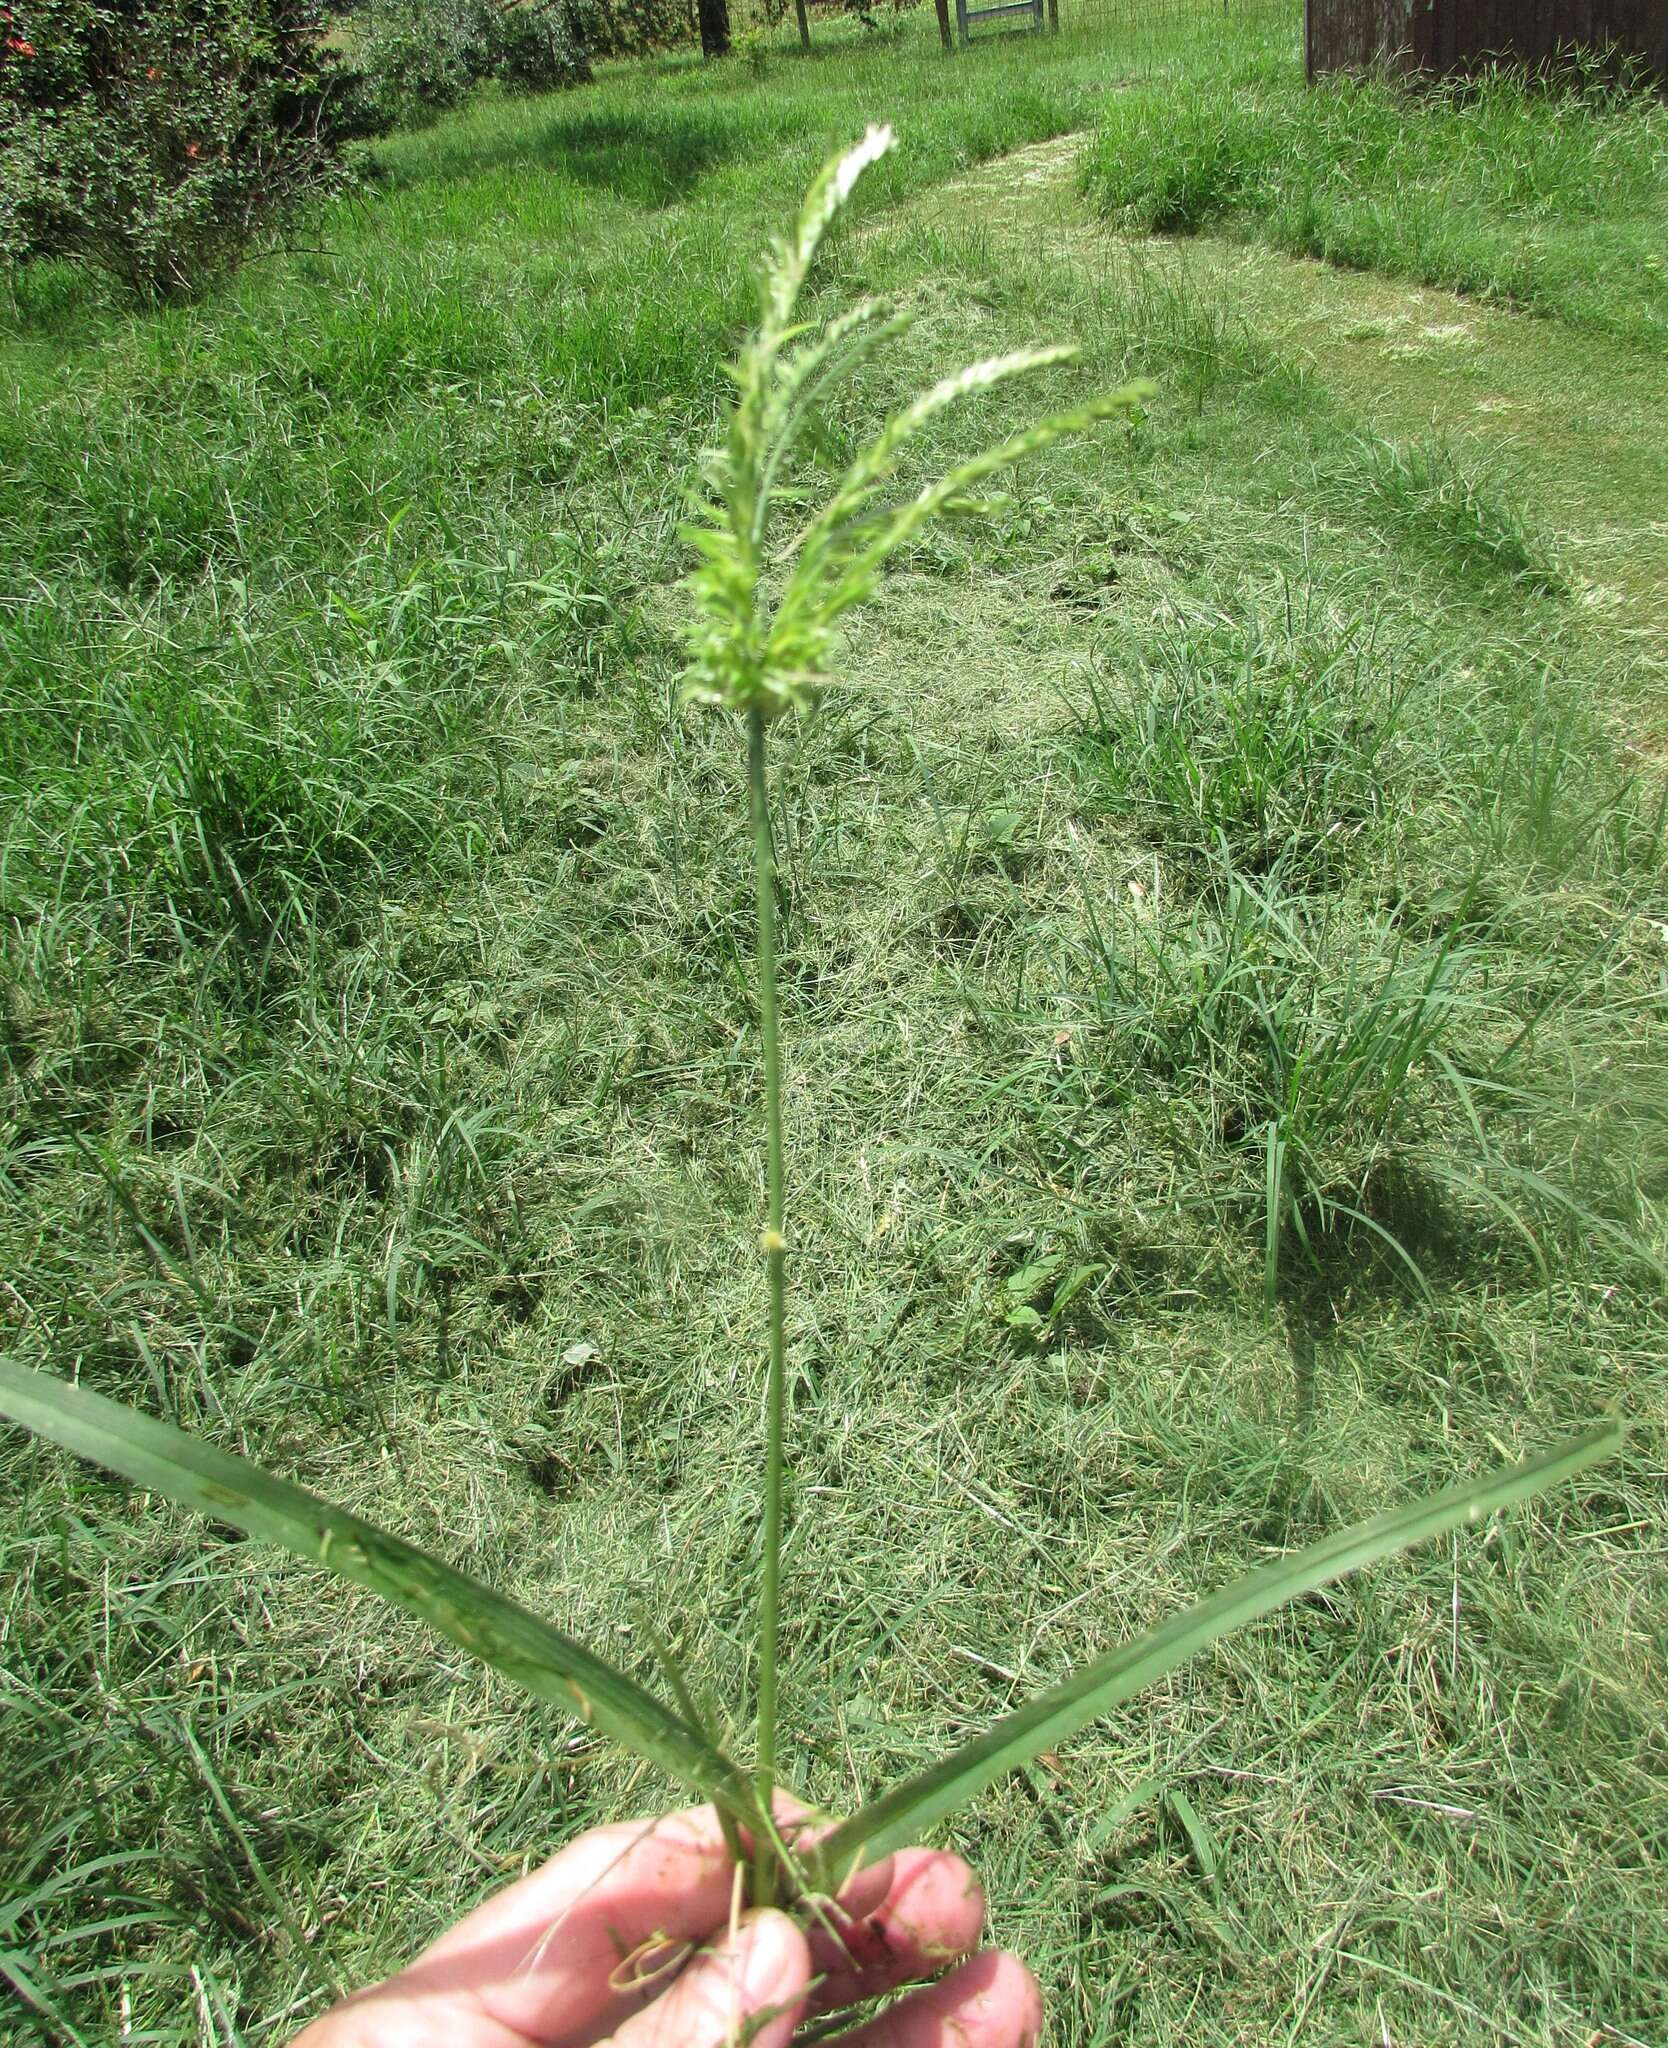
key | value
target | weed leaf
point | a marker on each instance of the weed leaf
(517, 1644)
(755, 652)
(901, 1815)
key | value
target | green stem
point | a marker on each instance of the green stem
(775, 1250)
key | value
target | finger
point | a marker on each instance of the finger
(562, 1956)
(931, 1914)
(748, 1986)
(990, 2002)
(385, 2018)
(801, 1829)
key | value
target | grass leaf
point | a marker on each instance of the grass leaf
(516, 1644)
(901, 1815)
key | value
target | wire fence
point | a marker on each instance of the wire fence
(1144, 33)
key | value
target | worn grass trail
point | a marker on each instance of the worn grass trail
(429, 1070)
(1574, 425)
(1544, 194)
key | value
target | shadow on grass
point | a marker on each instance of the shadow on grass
(53, 299)
(650, 162)
(652, 159)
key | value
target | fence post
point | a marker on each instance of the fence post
(1054, 17)
(961, 22)
(944, 24)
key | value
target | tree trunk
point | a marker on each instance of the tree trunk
(944, 23)
(714, 17)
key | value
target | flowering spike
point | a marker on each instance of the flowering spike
(753, 653)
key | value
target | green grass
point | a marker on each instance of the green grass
(1553, 200)
(381, 1097)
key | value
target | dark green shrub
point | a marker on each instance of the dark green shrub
(163, 140)
(541, 48)
(632, 28)
(426, 56)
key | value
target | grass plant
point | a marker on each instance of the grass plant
(760, 658)
(1246, 740)
(437, 470)
(1469, 525)
(1543, 194)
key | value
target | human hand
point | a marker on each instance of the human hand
(631, 1936)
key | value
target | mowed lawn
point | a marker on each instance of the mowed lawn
(1224, 941)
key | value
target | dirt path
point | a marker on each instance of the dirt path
(1579, 422)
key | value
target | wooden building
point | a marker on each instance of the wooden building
(1460, 35)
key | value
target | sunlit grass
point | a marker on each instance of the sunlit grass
(362, 585)
(1550, 197)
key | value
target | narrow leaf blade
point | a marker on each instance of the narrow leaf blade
(515, 1643)
(902, 1814)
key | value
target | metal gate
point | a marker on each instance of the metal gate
(966, 15)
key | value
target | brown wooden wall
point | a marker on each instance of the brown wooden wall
(1457, 35)
(1359, 35)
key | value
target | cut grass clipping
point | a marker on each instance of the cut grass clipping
(761, 643)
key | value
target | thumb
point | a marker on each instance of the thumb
(747, 1990)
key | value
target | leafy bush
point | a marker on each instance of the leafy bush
(427, 56)
(632, 28)
(541, 48)
(424, 56)
(164, 140)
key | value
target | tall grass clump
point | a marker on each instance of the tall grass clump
(1543, 196)
(1337, 1052)
(1304, 1060)
(1425, 492)
(765, 638)
(1253, 740)
(1327, 1003)
(213, 812)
